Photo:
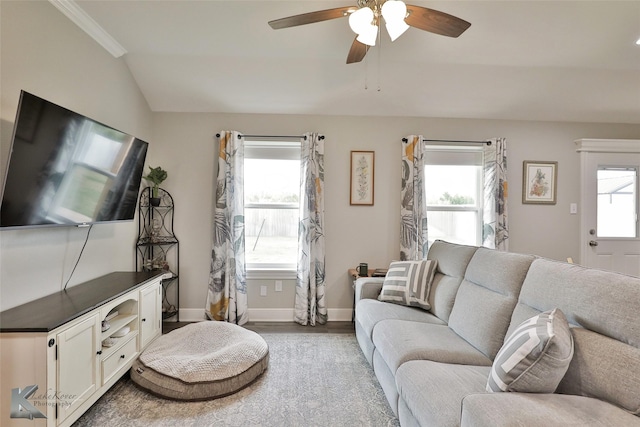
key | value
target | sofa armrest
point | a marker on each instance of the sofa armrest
(368, 287)
(509, 409)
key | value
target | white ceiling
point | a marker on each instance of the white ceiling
(531, 60)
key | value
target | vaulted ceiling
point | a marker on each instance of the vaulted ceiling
(530, 60)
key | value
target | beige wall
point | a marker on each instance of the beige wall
(185, 145)
(44, 53)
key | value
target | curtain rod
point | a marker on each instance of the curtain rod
(452, 141)
(274, 136)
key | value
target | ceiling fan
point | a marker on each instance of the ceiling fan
(366, 17)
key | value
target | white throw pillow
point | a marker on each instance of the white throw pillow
(535, 357)
(408, 283)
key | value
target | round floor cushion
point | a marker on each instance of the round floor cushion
(201, 361)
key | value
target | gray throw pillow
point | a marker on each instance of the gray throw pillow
(535, 357)
(408, 283)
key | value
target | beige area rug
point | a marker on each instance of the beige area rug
(313, 379)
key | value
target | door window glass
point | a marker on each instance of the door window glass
(617, 202)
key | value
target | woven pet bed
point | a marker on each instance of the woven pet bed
(201, 361)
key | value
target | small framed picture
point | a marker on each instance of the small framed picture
(539, 182)
(362, 175)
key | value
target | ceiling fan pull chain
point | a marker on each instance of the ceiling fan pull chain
(379, 55)
(366, 73)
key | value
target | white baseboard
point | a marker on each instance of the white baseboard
(271, 314)
(287, 315)
(268, 314)
(192, 314)
(339, 314)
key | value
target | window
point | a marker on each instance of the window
(271, 205)
(453, 191)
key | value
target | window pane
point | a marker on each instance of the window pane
(453, 197)
(271, 236)
(617, 210)
(451, 185)
(271, 181)
(455, 227)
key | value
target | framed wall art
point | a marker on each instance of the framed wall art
(362, 175)
(539, 182)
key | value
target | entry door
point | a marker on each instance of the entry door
(610, 229)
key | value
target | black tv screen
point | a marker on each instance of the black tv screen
(67, 169)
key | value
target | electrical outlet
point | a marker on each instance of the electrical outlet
(278, 285)
(263, 291)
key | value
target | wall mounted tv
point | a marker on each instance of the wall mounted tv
(66, 169)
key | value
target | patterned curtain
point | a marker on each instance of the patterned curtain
(227, 295)
(413, 207)
(310, 304)
(495, 230)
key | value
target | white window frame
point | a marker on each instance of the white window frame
(280, 150)
(449, 151)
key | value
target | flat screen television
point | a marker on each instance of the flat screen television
(66, 169)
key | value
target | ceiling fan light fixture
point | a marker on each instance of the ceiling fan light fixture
(394, 12)
(360, 20)
(368, 36)
(365, 21)
(397, 29)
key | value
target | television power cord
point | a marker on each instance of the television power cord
(79, 256)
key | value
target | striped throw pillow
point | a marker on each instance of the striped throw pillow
(409, 283)
(535, 357)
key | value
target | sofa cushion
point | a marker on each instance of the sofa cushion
(399, 341)
(453, 258)
(602, 301)
(604, 368)
(370, 311)
(605, 306)
(408, 283)
(536, 409)
(433, 392)
(452, 264)
(486, 298)
(535, 357)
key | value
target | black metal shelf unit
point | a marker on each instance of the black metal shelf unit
(158, 248)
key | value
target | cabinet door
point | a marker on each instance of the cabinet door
(78, 366)
(150, 314)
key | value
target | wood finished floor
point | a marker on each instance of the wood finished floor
(281, 327)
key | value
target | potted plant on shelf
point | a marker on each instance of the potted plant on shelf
(155, 177)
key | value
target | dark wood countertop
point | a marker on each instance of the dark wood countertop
(49, 312)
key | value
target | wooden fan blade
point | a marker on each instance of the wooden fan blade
(357, 52)
(435, 21)
(311, 17)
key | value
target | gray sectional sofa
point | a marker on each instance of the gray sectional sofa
(433, 365)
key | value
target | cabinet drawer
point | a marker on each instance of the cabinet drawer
(120, 358)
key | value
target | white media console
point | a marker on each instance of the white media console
(55, 359)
